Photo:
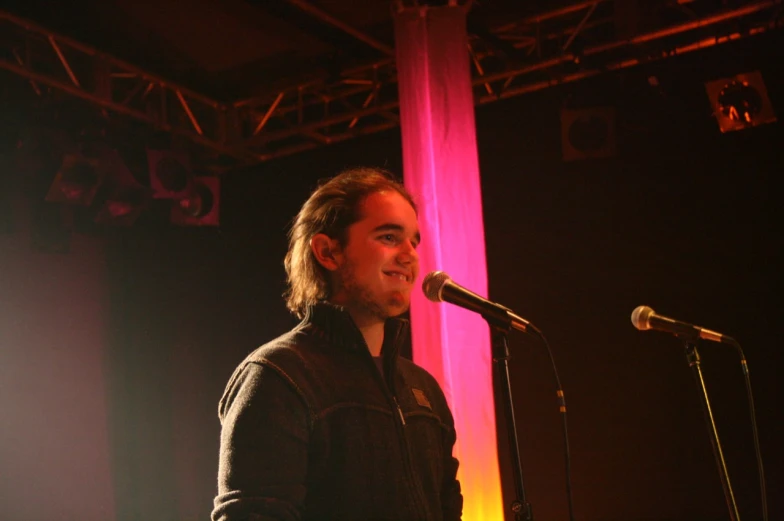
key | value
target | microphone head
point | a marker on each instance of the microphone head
(433, 284)
(641, 317)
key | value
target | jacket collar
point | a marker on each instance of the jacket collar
(334, 324)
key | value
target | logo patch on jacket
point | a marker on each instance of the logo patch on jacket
(421, 399)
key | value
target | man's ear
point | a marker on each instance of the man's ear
(326, 250)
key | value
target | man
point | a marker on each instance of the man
(327, 422)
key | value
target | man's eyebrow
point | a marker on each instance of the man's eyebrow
(391, 227)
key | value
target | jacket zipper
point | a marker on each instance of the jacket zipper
(389, 389)
(399, 411)
(416, 493)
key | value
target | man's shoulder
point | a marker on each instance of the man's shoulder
(287, 356)
(290, 349)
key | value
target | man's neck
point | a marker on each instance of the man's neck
(374, 337)
(372, 329)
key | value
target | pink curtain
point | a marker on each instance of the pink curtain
(441, 169)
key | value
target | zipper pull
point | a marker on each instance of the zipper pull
(399, 411)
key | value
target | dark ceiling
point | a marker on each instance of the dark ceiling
(251, 80)
(230, 49)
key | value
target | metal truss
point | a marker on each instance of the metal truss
(560, 60)
(563, 45)
(51, 60)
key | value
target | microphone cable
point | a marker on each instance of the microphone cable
(754, 430)
(562, 409)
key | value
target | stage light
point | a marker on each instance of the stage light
(122, 208)
(76, 181)
(170, 174)
(587, 133)
(740, 102)
(125, 196)
(200, 206)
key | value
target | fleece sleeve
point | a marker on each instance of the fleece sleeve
(263, 447)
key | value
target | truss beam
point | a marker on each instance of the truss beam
(564, 45)
(549, 39)
(47, 58)
(339, 24)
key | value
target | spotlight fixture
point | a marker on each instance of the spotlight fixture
(125, 199)
(588, 133)
(200, 206)
(740, 102)
(122, 208)
(76, 181)
(170, 174)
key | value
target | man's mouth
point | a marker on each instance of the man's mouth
(399, 275)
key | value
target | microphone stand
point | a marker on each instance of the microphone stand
(521, 508)
(693, 357)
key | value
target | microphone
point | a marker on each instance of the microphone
(439, 287)
(643, 318)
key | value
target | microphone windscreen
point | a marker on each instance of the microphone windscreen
(433, 283)
(641, 317)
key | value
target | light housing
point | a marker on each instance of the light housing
(740, 101)
(588, 133)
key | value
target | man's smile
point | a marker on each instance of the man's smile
(401, 275)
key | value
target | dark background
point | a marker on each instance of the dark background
(684, 219)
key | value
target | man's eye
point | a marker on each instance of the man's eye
(389, 238)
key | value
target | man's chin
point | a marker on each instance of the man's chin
(398, 306)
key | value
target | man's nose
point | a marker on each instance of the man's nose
(408, 252)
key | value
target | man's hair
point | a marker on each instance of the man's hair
(330, 209)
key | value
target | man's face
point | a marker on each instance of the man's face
(378, 264)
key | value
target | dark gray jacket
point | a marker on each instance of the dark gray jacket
(313, 432)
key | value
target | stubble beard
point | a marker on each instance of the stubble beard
(361, 299)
